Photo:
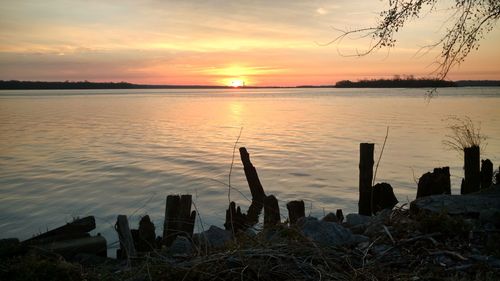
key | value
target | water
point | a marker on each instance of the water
(66, 154)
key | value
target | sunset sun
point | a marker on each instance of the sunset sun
(236, 83)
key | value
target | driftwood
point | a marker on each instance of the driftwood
(68, 248)
(271, 211)
(472, 179)
(486, 173)
(254, 184)
(75, 229)
(179, 220)
(365, 178)
(127, 248)
(437, 182)
(296, 210)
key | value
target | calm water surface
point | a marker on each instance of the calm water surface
(66, 154)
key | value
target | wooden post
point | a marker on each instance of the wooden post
(472, 179)
(271, 211)
(296, 210)
(172, 206)
(184, 225)
(125, 236)
(365, 178)
(486, 173)
(74, 229)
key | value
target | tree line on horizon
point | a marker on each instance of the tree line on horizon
(396, 82)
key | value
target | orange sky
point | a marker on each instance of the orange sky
(215, 42)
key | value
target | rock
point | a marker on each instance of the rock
(473, 205)
(330, 217)
(325, 233)
(214, 237)
(180, 246)
(355, 219)
(358, 239)
(10, 247)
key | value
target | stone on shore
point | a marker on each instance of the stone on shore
(484, 204)
(214, 237)
(326, 233)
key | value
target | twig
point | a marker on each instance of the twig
(229, 181)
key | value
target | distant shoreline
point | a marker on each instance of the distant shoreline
(379, 83)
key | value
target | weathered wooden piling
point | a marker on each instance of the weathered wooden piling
(296, 210)
(472, 179)
(252, 178)
(340, 215)
(75, 229)
(179, 220)
(486, 173)
(146, 235)
(437, 182)
(271, 211)
(125, 236)
(383, 197)
(365, 178)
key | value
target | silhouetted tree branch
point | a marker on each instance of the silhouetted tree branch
(470, 21)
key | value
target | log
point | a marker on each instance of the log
(383, 197)
(472, 179)
(179, 220)
(271, 212)
(126, 241)
(437, 182)
(95, 245)
(146, 235)
(296, 210)
(74, 229)
(486, 173)
(365, 178)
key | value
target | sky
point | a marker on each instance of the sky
(218, 42)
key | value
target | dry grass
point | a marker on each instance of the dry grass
(464, 133)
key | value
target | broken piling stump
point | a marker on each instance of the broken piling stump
(235, 220)
(486, 173)
(340, 215)
(127, 248)
(179, 220)
(383, 197)
(365, 178)
(146, 235)
(271, 211)
(296, 210)
(472, 175)
(437, 182)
